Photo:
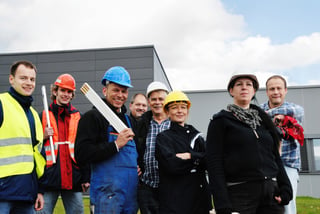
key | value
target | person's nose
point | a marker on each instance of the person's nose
(29, 81)
(120, 94)
(180, 109)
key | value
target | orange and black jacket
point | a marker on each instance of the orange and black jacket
(65, 174)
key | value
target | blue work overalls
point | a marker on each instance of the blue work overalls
(114, 181)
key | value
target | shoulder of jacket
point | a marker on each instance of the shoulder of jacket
(145, 118)
(73, 110)
(165, 133)
(92, 113)
(294, 105)
(220, 114)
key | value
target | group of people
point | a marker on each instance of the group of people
(159, 162)
(34, 174)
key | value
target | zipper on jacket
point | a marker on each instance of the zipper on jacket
(254, 131)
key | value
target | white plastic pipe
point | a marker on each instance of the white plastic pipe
(104, 109)
(46, 110)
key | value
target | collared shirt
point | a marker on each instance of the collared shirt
(151, 175)
(290, 149)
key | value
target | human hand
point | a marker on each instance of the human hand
(278, 119)
(39, 202)
(184, 156)
(139, 171)
(278, 199)
(85, 186)
(124, 137)
(47, 132)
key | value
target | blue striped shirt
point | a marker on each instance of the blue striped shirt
(151, 174)
(290, 149)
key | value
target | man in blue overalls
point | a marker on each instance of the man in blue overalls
(112, 155)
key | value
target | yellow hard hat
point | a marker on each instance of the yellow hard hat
(176, 96)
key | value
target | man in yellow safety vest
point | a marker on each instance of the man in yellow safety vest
(21, 164)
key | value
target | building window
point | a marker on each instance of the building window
(316, 153)
(310, 156)
(304, 156)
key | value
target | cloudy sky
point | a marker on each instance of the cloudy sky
(200, 43)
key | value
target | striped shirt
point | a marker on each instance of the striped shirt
(290, 149)
(151, 175)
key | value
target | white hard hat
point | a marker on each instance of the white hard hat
(154, 86)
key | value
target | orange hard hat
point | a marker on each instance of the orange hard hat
(66, 81)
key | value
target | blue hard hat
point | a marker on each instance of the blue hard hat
(118, 75)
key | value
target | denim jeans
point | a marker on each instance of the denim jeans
(72, 202)
(16, 207)
(256, 197)
(148, 199)
(294, 180)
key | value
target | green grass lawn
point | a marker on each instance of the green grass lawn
(306, 205)
(59, 209)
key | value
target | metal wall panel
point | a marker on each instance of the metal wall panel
(85, 66)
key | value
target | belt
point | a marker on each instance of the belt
(241, 182)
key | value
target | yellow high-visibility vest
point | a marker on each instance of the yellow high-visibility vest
(17, 156)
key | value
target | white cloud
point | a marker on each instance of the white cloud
(313, 82)
(200, 44)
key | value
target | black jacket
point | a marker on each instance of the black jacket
(91, 142)
(134, 122)
(183, 187)
(141, 130)
(236, 154)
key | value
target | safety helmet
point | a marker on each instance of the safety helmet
(66, 81)
(155, 86)
(238, 75)
(176, 96)
(118, 75)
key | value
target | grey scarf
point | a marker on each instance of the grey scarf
(249, 116)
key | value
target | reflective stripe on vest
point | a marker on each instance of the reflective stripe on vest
(73, 126)
(16, 153)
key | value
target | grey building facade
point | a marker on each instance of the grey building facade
(89, 66)
(144, 66)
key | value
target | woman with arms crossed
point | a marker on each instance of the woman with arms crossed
(180, 151)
